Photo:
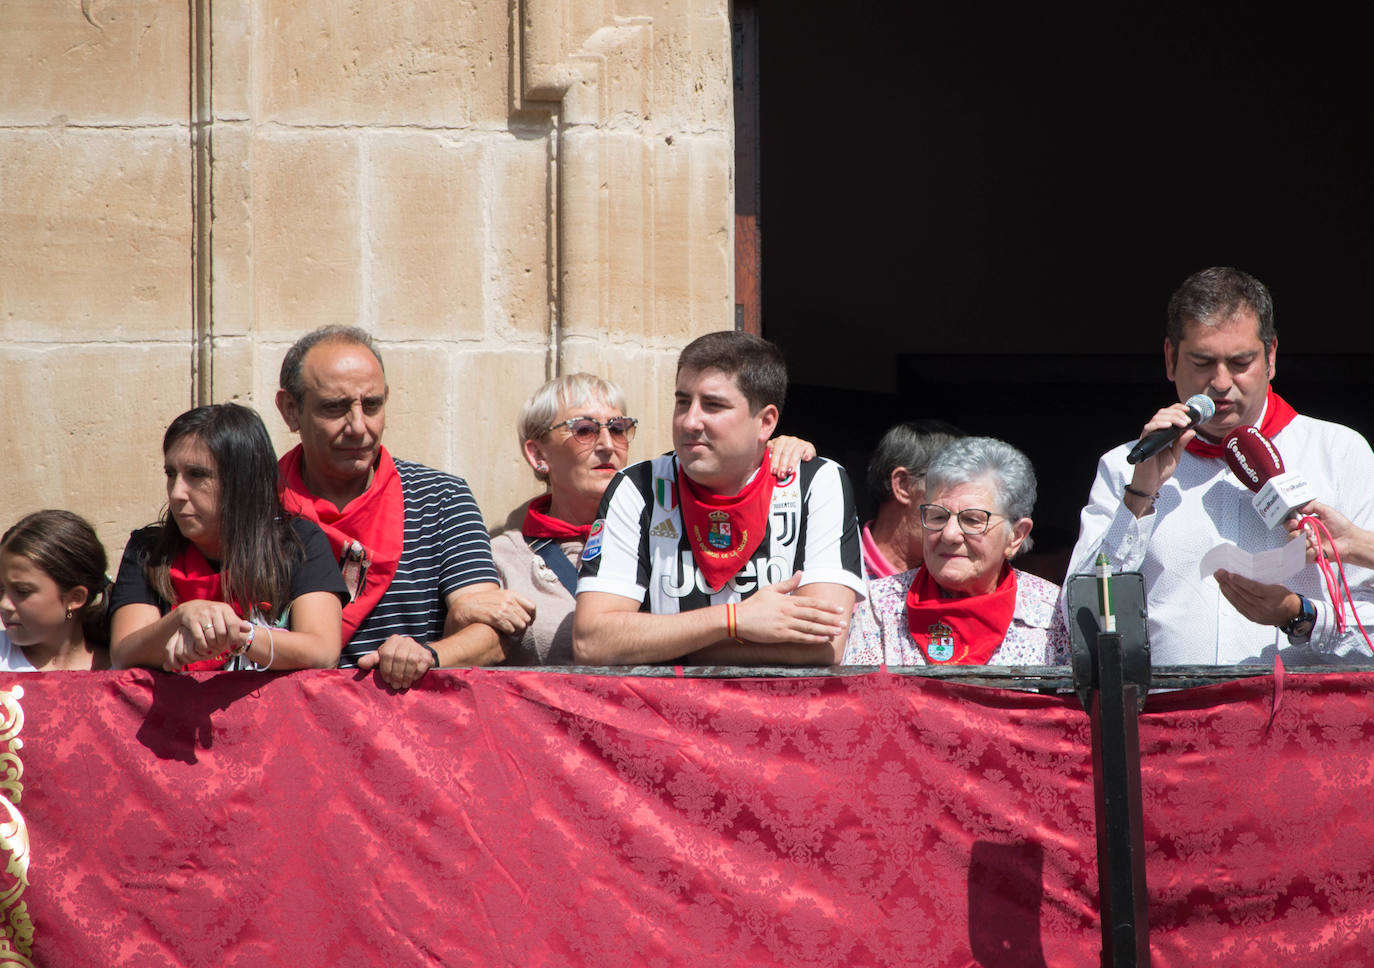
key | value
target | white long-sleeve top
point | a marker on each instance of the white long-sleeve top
(1203, 504)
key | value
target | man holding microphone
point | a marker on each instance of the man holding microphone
(1160, 515)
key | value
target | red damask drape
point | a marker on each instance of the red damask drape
(529, 818)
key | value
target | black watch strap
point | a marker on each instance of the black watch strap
(1300, 625)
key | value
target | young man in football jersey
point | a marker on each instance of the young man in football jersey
(702, 554)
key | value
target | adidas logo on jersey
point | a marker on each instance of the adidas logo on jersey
(664, 529)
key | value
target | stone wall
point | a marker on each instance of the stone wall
(499, 191)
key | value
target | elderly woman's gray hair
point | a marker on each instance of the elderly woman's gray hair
(570, 390)
(986, 459)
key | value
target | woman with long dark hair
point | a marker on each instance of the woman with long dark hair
(53, 595)
(226, 579)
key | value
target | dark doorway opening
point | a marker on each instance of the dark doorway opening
(980, 215)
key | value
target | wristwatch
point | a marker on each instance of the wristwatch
(1300, 625)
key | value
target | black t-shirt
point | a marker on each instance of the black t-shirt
(317, 572)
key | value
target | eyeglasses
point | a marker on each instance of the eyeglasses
(586, 429)
(971, 520)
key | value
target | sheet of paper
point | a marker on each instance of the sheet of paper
(1270, 567)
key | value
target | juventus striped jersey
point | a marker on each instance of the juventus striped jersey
(639, 549)
(446, 548)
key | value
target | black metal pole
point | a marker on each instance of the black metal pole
(1120, 826)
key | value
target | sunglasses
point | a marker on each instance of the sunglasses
(587, 429)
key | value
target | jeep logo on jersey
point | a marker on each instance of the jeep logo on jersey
(774, 569)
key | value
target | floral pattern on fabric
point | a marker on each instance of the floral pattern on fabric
(879, 632)
(528, 818)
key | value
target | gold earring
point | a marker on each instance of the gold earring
(69, 613)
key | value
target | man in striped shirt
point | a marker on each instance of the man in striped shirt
(701, 554)
(409, 539)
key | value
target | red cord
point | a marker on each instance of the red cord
(1335, 580)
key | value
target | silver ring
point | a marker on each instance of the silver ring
(208, 626)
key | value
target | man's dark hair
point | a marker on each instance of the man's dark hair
(292, 380)
(756, 364)
(912, 444)
(1213, 295)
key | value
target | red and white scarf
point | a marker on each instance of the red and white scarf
(375, 520)
(724, 530)
(959, 631)
(1277, 415)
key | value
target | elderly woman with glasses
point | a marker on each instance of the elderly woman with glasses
(575, 435)
(966, 604)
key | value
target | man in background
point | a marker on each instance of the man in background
(896, 482)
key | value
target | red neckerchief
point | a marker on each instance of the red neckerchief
(959, 631)
(1277, 415)
(540, 524)
(724, 530)
(376, 519)
(193, 577)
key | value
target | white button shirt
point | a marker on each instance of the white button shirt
(1203, 504)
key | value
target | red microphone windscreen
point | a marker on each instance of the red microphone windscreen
(1252, 457)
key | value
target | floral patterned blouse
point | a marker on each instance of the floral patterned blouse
(878, 632)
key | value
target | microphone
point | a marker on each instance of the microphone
(1254, 459)
(1200, 410)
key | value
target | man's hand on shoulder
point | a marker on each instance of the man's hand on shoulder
(400, 661)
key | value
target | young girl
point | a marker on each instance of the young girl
(227, 579)
(52, 595)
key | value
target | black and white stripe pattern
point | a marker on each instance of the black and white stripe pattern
(446, 548)
(644, 553)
